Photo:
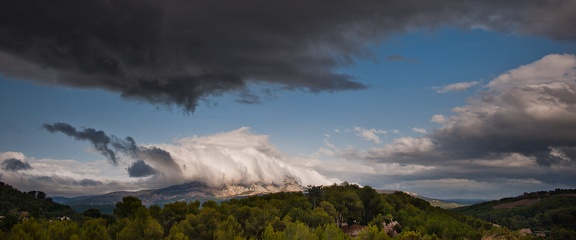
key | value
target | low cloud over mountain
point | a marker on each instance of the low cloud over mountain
(238, 157)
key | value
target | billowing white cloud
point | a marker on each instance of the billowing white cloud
(456, 87)
(236, 157)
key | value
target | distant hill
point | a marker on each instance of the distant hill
(451, 203)
(193, 191)
(442, 203)
(539, 211)
(15, 205)
(186, 192)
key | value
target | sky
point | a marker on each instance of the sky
(446, 99)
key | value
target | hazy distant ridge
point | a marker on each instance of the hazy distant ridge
(190, 191)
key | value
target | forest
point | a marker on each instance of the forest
(552, 212)
(343, 211)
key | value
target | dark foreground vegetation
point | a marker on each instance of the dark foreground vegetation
(546, 212)
(344, 211)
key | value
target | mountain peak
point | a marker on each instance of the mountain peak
(190, 191)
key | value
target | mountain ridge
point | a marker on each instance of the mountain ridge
(190, 191)
(196, 190)
(552, 210)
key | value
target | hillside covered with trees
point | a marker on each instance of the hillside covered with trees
(15, 204)
(549, 212)
(344, 211)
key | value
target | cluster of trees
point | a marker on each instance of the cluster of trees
(552, 212)
(322, 212)
(15, 204)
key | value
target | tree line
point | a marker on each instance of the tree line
(552, 212)
(320, 212)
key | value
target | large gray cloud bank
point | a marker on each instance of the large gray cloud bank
(516, 134)
(520, 126)
(179, 52)
(529, 110)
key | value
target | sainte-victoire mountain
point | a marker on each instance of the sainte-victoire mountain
(190, 191)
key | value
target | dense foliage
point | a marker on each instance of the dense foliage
(14, 204)
(552, 212)
(344, 211)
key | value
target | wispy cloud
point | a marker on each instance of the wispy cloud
(400, 58)
(419, 130)
(370, 134)
(456, 87)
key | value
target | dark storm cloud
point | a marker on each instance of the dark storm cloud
(153, 154)
(14, 164)
(179, 52)
(99, 139)
(141, 169)
(110, 145)
(542, 126)
(160, 157)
